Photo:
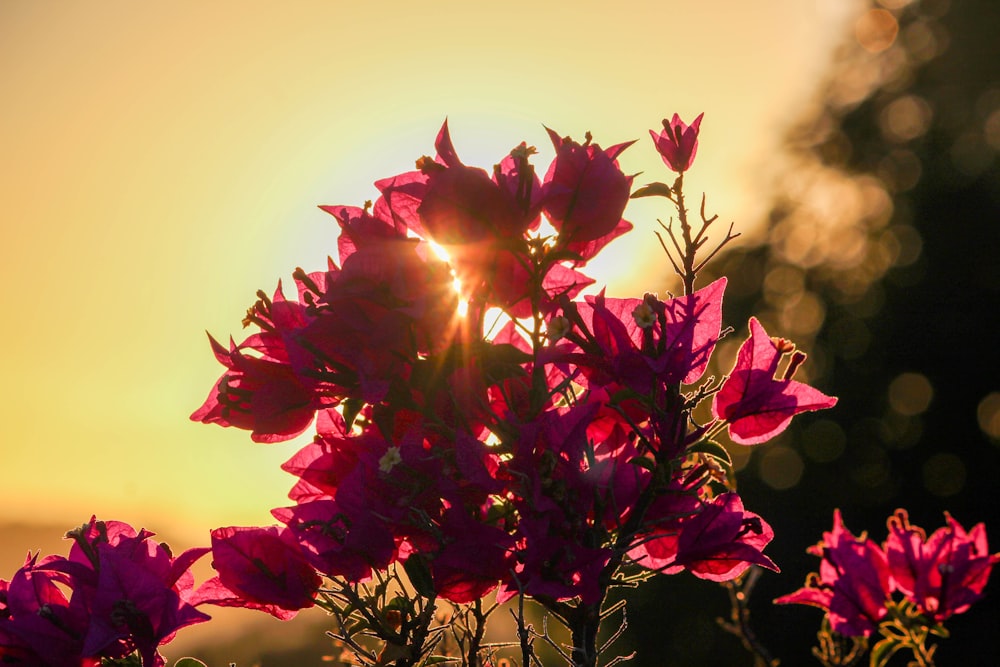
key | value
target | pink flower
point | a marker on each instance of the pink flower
(38, 623)
(473, 558)
(463, 204)
(718, 543)
(118, 592)
(553, 563)
(674, 348)
(677, 144)
(584, 190)
(259, 568)
(339, 541)
(137, 605)
(853, 584)
(261, 395)
(943, 574)
(756, 403)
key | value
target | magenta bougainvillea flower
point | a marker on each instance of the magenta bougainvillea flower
(38, 623)
(552, 563)
(853, 585)
(260, 395)
(677, 144)
(691, 326)
(339, 541)
(259, 568)
(117, 593)
(585, 191)
(756, 403)
(718, 542)
(533, 451)
(473, 558)
(674, 348)
(464, 204)
(942, 574)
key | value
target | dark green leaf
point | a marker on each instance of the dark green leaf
(563, 255)
(352, 406)
(654, 190)
(189, 662)
(939, 630)
(644, 462)
(503, 354)
(713, 449)
(401, 603)
(419, 571)
(882, 652)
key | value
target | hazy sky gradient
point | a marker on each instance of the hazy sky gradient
(161, 161)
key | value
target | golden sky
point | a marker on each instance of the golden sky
(161, 161)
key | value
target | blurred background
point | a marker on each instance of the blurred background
(161, 162)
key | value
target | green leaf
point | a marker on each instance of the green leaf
(189, 662)
(130, 660)
(644, 462)
(419, 571)
(503, 359)
(882, 652)
(713, 449)
(563, 255)
(401, 603)
(939, 630)
(352, 406)
(625, 394)
(654, 190)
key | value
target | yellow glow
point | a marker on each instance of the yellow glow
(442, 254)
(163, 161)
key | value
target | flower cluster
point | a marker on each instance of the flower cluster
(480, 421)
(485, 426)
(910, 581)
(117, 593)
(942, 575)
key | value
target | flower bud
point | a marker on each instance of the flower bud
(557, 328)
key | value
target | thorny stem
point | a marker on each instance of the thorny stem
(477, 635)
(690, 248)
(685, 265)
(417, 631)
(523, 634)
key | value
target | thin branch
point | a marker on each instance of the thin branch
(666, 251)
(553, 643)
(621, 627)
(739, 624)
(729, 237)
(620, 659)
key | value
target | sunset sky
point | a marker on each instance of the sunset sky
(161, 161)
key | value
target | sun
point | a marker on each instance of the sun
(442, 254)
